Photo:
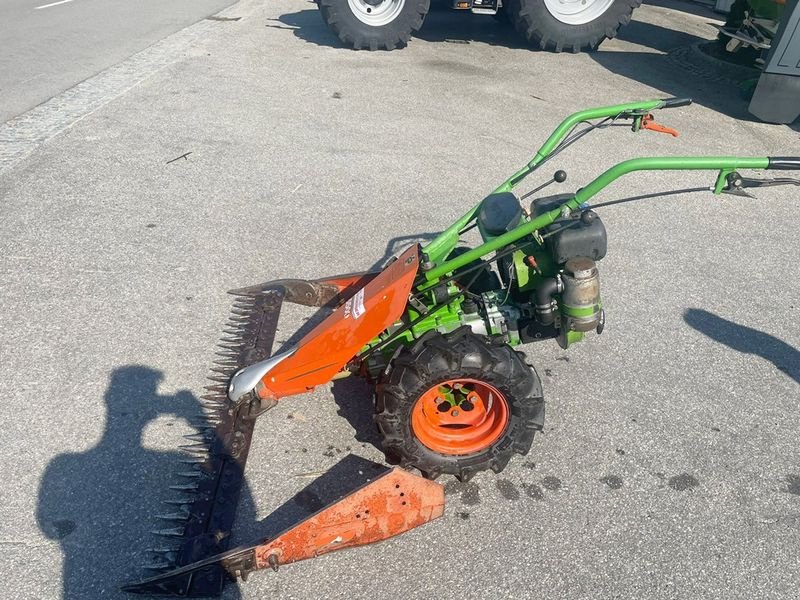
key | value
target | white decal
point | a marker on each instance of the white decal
(358, 304)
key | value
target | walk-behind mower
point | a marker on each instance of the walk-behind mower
(435, 330)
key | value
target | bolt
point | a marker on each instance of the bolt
(454, 413)
(273, 561)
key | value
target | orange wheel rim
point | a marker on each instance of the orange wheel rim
(460, 416)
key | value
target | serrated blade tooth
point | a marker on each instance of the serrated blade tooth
(195, 448)
(211, 417)
(189, 487)
(223, 370)
(217, 402)
(158, 566)
(210, 406)
(234, 345)
(216, 388)
(169, 555)
(174, 532)
(161, 550)
(191, 474)
(181, 503)
(247, 292)
(192, 461)
(173, 516)
(196, 437)
(207, 428)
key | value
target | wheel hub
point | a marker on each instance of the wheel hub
(577, 12)
(376, 13)
(460, 416)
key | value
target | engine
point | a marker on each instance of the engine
(549, 289)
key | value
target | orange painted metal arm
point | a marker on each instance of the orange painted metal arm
(327, 348)
(392, 504)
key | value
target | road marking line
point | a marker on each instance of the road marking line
(52, 4)
(23, 134)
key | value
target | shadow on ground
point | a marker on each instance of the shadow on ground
(691, 8)
(354, 401)
(100, 504)
(679, 68)
(344, 477)
(441, 25)
(746, 340)
(673, 66)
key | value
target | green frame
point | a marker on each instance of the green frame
(438, 249)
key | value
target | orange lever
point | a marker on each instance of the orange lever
(648, 123)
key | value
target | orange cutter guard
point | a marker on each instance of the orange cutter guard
(393, 503)
(326, 349)
(396, 502)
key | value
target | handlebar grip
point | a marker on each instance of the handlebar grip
(676, 102)
(784, 163)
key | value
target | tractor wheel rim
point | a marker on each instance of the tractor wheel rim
(375, 13)
(460, 416)
(577, 12)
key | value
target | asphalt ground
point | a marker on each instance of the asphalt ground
(669, 466)
(49, 46)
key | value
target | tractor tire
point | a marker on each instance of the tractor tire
(501, 405)
(374, 24)
(571, 26)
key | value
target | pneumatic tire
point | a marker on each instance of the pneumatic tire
(374, 24)
(503, 391)
(548, 27)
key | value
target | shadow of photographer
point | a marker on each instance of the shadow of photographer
(100, 504)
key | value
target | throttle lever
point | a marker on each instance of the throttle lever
(752, 182)
(649, 123)
(735, 184)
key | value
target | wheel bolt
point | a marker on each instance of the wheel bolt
(455, 413)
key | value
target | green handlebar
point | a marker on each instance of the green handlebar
(438, 249)
(445, 241)
(724, 164)
(567, 124)
(666, 163)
